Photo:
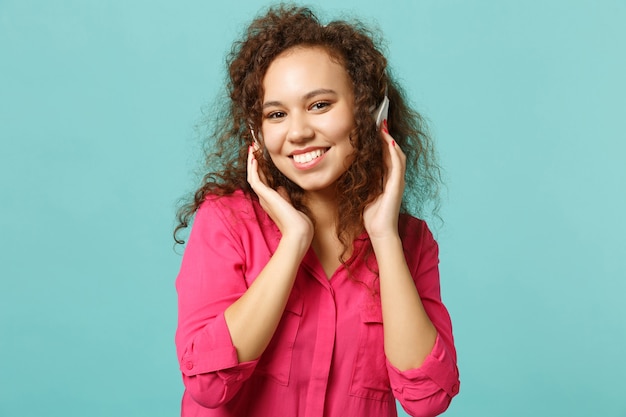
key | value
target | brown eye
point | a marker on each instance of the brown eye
(320, 105)
(275, 115)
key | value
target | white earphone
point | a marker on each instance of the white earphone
(250, 126)
(382, 111)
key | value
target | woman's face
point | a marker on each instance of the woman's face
(308, 117)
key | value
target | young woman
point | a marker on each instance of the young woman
(305, 288)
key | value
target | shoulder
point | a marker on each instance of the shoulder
(411, 228)
(231, 209)
(237, 211)
(415, 235)
(238, 217)
(237, 201)
(421, 251)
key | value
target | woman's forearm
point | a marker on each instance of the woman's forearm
(409, 334)
(253, 318)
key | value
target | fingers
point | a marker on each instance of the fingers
(277, 203)
(395, 158)
(253, 168)
(256, 178)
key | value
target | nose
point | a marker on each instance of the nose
(300, 129)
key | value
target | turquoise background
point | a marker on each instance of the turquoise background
(98, 106)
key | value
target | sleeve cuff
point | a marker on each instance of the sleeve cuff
(213, 351)
(437, 372)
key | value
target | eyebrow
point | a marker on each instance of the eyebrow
(307, 96)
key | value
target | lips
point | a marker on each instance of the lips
(303, 158)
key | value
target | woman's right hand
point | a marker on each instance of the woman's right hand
(254, 317)
(292, 223)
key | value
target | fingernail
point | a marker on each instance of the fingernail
(393, 143)
(385, 124)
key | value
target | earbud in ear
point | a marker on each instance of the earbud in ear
(382, 111)
(253, 135)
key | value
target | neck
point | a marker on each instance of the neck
(327, 247)
(323, 208)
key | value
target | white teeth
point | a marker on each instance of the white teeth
(308, 157)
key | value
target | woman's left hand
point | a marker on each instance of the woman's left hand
(381, 216)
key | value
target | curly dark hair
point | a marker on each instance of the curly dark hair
(354, 46)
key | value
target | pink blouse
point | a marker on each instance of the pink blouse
(326, 357)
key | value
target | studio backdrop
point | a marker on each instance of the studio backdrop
(101, 112)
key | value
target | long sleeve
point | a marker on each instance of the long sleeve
(211, 278)
(327, 354)
(427, 390)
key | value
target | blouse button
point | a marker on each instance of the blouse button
(455, 388)
(189, 365)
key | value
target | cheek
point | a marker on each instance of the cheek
(271, 140)
(338, 128)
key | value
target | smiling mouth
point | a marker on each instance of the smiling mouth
(303, 158)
